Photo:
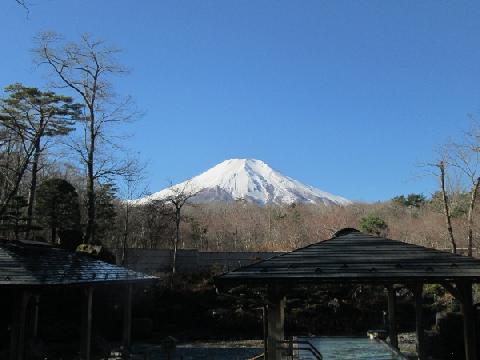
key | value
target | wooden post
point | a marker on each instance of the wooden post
(127, 316)
(19, 317)
(23, 319)
(35, 316)
(392, 319)
(265, 331)
(275, 325)
(469, 333)
(15, 320)
(86, 346)
(418, 293)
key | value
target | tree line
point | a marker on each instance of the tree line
(59, 161)
(243, 226)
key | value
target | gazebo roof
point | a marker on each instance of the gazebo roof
(24, 263)
(352, 256)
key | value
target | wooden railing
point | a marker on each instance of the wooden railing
(295, 346)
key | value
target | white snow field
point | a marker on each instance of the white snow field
(251, 180)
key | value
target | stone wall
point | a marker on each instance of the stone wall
(159, 260)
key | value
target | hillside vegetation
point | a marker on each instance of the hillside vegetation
(243, 226)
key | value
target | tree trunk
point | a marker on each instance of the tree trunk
(8, 161)
(53, 235)
(19, 176)
(448, 219)
(33, 188)
(22, 168)
(175, 244)
(90, 231)
(178, 232)
(125, 234)
(471, 208)
(16, 229)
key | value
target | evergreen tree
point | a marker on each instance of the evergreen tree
(57, 206)
(34, 115)
(412, 200)
(399, 200)
(105, 210)
(415, 200)
(373, 225)
(13, 220)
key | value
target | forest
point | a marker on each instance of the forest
(242, 226)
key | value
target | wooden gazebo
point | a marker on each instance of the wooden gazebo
(354, 257)
(28, 268)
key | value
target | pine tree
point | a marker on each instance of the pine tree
(105, 210)
(13, 220)
(34, 115)
(373, 225)
(57, 206)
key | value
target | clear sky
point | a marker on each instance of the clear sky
(347, 96)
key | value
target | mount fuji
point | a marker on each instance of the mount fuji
(248, 179)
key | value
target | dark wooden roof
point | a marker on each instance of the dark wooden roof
(352, 256)
(29, 264)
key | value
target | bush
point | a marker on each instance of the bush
(373, 225)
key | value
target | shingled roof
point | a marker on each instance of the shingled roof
(30, 264)
(352, 256)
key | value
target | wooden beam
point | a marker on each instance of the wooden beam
(86, 345)
(127, 316)
(392, 318)
(420, 334)
(469, 331)
(275, 325)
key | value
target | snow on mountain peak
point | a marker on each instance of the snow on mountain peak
(249, 179)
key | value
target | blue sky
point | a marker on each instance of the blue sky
(347, 96)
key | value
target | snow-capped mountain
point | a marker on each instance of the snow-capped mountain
(251, 180)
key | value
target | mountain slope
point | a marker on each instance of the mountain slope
(251, 180)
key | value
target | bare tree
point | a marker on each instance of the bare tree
(133, 189)
(23, 4)
(86, 68)
(178, 197)
(156, 223)
(465, 156)
(439, 170)
(446, 207)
